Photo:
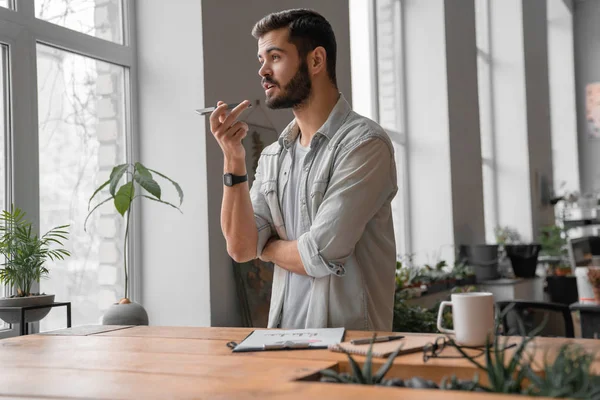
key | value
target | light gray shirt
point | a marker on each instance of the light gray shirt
(345, 196)
(298, 287)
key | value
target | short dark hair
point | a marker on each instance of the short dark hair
(307, 31)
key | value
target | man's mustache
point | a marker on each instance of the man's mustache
(268, 80)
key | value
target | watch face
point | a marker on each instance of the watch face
(228, 180)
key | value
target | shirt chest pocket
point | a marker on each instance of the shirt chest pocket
(317, 193)
(269, 190)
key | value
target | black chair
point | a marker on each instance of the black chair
(532, 314)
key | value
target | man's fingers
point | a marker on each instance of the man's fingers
(215, 116)
(236, 112)
(233, 131)
(241, 132)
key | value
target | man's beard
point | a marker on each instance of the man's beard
(295, 92)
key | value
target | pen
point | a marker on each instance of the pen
(377, 339)
(204, 111)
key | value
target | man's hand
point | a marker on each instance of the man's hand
(228, 132)
(265, 256)
(285, 254)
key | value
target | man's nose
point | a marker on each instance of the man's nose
(264, 70)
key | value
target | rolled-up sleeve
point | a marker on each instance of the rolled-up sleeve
(363, 179)
(262, 214)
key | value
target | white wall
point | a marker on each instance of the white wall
(561, 69)
(175, 257)
(231, 74)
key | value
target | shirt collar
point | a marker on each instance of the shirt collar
(336, 118)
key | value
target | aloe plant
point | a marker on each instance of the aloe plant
(25, 252)
(505, 375)
(124, 196)
(365, 375)
(569, 375)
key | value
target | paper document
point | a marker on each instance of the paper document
(273, 339)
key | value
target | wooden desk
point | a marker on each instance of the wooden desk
(147, 362)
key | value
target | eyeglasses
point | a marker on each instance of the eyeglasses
(433, 350)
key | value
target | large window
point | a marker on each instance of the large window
(390, 106)
(81, 137)
(4, 126)
(4, 123)
(488, 151)
(71, 107)
(100, 18)
(378, 89)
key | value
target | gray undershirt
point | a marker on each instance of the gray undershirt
(298, 287)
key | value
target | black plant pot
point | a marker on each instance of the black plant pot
(484, 260)
(562, 289)
(523, 258)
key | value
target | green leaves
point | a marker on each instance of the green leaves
(144, 178)
(115, 177)
(124, 196)
(365, 375)
(25, 252)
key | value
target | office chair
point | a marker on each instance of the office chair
(532, 313)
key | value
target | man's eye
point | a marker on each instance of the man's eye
(275, 57)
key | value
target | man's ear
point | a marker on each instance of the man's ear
(317, 61)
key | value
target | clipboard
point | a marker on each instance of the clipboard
(290, 339)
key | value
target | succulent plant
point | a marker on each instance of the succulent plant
(568, 375)
(505, 376)
(365, 375)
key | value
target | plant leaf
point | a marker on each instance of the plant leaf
(331, 374)
(90, 213)
(366, 371)
(115, 176)
(159, 201)
(124, 197)
(148, 183)
(177, 187)
(388, 364)
(356, 370)
(96, 192)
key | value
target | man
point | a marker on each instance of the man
(320, 205)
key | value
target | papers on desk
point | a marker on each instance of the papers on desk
(273, 339)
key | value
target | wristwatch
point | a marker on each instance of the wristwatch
(230, 179)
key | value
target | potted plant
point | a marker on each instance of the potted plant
(483, 258)
(560, 281)
(137, 177)
(523, 257)
(25, 254)
(569, 373)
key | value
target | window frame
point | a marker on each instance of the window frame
(398, 137)
(22, 31)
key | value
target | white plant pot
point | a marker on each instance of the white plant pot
(14, 316)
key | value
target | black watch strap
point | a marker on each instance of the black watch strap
(230, 179)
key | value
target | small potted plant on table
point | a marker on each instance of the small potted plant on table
(126, 312)
(25, 255)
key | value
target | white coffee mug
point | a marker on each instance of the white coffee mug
(472, 317)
